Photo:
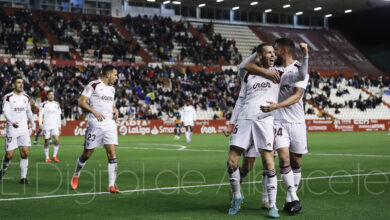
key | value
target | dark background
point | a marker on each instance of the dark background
(369, 31)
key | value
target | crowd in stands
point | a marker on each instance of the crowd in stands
(17, 30)
(319, 91)
(224, 47)
(141, 92)
(106, 40)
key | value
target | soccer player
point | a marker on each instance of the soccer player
(17, 109)
(289, 124)
(189, 117)
(253, 127)
(178, 124)
(50, 124)
(101, 127)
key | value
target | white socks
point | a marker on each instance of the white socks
(297, 177)
(264, 184)
(55, 150)
(23, 168)
(272, 185)
(112, 170)
(288, 179)
(234, 178)
(79, 166)
(188, 135)
(46, 150)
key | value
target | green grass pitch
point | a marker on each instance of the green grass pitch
(346, 176)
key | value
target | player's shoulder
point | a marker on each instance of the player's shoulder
(94, 83)
(26, 96)
(297, 64)
(44, 104)
(8, 96)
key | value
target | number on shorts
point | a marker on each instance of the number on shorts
(235, 129)
(9, 139)
(91, 137)
(278, 132)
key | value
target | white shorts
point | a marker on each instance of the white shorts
(252, 152)
(253, 134)
(15, 141)
(95, 136)
(291, 135)
(188, 123)
(47, 134)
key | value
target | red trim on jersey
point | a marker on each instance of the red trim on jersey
(246, 77)
(297, 65)
(280, 72)
(28, 97)
(9, 96)
(94, 85)
(43, 105)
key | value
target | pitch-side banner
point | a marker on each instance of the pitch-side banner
(155, 127)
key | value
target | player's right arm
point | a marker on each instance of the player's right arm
(83, 103)
(40, 117)
(249, 65)
(7, 113)
(236, 111)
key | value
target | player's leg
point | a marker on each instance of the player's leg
(191, 130)
(46, 135)
(56, 146)
(93, 138)
(37, 136)
(23, 164)
(246, 167)
(110, 142)
(235, 153)
(176, 131)
(296, 167)
(10, 145)
(188, 136)
(112, 167)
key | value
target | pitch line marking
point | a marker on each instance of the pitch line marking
(181, 187)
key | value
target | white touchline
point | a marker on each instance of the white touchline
(184, 148)
(180, 187)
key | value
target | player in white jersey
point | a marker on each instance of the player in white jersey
(17, 109)
(50, 124)
(289, 124)
(253, 127)
(101, 127)
(188, 115)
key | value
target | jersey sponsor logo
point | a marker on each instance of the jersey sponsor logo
(262, 85)
(19, 109)
(107, 98)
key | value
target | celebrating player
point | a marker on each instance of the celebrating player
(253, 127)
(189, 117)
(289, 124)
(50, 114)
(101, 125)
(16, 109)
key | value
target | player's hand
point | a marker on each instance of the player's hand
(98, 116)
(40, 128)
(15, 125)
(272, 106)
(228, 131)
(304, 48)
(272, 75)
(115, 114)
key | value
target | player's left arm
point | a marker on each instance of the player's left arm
(115, 112)
(294, 98)
(30, 116)
(303, 70)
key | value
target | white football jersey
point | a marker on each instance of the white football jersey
(101, 98)
(257, 90)
(294, 112)
(50, 115)
(188, 113)
(17, 109)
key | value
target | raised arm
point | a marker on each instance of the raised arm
(302, 70)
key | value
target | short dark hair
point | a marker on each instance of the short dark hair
(260, 47)
(286, 42)
(107, 68)
(16, 78)
(50, 92)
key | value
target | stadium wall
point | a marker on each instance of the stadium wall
(154, 127)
